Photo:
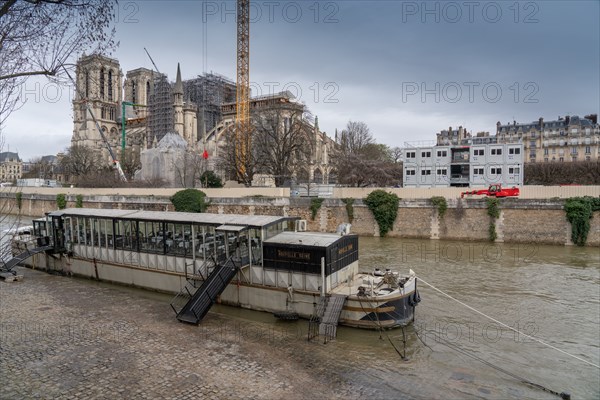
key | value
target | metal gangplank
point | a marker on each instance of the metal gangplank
(205, 296)
(325, 321)
(13, 262)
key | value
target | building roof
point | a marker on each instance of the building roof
(253, 221)
(9, 156)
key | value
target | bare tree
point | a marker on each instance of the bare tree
(188, 168)
(230, 157)
(357, 171)
(130, 162)
(39, 37)
(562, 173)
(281, 141)
(79, 161)
(355, 137)
(396, 154)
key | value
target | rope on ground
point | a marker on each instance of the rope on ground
(509, 327)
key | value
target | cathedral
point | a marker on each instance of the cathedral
(136, 113)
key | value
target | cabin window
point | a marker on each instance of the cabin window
(178, 240)
(126, 235)
(151, 236)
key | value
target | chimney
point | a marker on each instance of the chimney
(567, 119)
(541, 121)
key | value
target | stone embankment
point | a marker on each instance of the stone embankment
(522, 220)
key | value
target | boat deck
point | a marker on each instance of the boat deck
(369, 282)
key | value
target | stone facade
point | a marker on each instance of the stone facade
(521, 221)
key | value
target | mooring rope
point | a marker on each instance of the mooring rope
(563, 395)
(507, 326)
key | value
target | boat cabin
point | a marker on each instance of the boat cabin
(191, 244)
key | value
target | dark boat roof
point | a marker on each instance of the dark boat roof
(254, 221)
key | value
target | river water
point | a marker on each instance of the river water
(551, 293)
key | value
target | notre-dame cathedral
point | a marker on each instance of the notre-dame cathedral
(149, 106)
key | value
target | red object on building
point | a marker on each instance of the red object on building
(205, 154)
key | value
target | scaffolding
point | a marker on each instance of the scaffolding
(160, 120)
(209, 92)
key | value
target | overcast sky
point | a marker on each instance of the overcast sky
(407, 69)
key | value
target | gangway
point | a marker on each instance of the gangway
(13, 262)
(205, 296)
(327, 316)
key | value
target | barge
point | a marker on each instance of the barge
(259, 262)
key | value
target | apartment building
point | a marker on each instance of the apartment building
(566, 139)
(471, 164)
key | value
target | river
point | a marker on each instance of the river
(551, 293)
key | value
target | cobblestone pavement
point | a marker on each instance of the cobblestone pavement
(67, 338)
(73, 338)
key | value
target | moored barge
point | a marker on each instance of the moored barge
(259, 262)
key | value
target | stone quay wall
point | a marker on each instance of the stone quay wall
(540, 221)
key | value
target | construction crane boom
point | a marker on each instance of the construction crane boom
(243, 125)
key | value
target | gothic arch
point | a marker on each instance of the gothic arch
(102, 83)
(318, 176)
(110, 85)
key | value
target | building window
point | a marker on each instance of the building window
(561, 159)
(102, 83)
(496, 152)
(442, 172)
(514, 170)
(442, 153)
(546, 159)
(87, 84)
(573, 150)
(478, 152)
(425, 154)
(496, 171)
(546, 151)
(588, 150)
(515, 150)
(425, 172)
(110, 86)
(588, 158)
(477, 171)
(410, 172)
(411, 154)
(532, 154)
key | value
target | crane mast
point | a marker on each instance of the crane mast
(243, 125)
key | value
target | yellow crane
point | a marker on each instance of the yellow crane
(243, 124)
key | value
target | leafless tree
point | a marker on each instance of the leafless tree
(281, 141)
(79, 161)
(40, 37)
(396, 154)
(130, 162)
(41, 168)
(562, 173)
(357, 171)
(355, 137)
(188, 168)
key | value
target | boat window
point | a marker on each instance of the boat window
(110, 237)
(178, 239)
(151, 236)
(88, 231)
(126, 235)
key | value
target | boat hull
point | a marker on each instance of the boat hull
(378, 312)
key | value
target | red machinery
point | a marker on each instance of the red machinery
(494, 191)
